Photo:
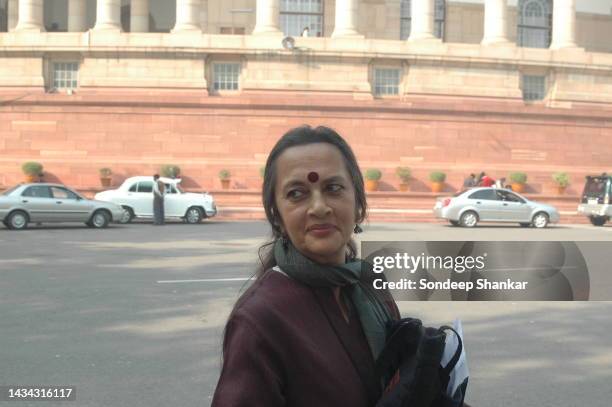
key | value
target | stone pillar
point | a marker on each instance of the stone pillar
(564, 24)
(204, 15)
(346, 19)
(139, 16)
(13, 13)
(267, 17)
(77, 15)
(108, 15)
(422, 20)
(187, 15)
(495, 22)
(30, 16)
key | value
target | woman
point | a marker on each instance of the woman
(308, 330)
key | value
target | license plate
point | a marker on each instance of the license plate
(593, 201)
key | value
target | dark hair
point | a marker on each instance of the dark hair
(301, 136)
(155, 176)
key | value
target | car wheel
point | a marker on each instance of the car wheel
(598, 220)
(17, 220)
(99, 220)
(128, 215)
(540, 220)
(525, 225)
(193, 215)
(454, 222)
(469, 219)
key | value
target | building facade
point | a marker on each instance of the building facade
(210, 85)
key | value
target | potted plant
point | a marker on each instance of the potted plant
(224, 176)
(437, 179)
(105, 176)
(562, 181)
(32, 170)
(170, 171)
(404, 174)
(518, 181)
(372, 176)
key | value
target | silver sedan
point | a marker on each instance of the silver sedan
(467, 208)
(43, 202)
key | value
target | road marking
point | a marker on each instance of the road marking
(207, 280)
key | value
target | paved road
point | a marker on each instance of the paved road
(117, 313)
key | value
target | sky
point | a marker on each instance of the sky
(586, 6)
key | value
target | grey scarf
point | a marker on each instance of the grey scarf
(373, 313)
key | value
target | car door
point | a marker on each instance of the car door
(38, 202)
(143, 202)
(514, 208)
(486, 203)
(69, 206)
(172, 202)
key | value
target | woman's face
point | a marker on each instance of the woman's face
(318, 217)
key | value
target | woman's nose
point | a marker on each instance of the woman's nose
(318, 205)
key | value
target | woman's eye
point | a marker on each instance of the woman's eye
(295, 194)
(335, 187)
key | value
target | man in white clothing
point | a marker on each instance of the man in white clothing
(159, 190)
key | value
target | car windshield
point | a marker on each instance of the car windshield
(8, 191)
(179, 189)
(595, 187)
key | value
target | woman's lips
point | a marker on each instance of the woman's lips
(322, 230)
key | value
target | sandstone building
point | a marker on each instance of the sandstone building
(211, 84)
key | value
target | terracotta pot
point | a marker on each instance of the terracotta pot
(32, 178)
(225, 183)
(560, 190)
(403, 187)
(371, 185)
(518, 187)
(437, 186)
(106, 182)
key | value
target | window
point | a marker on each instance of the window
(534, 23)
(405, 18)
(386, 81)
(145, 186)
(484, 194)
(534, 87)
(232, 30)
(225, 76)
(134, 187)
(3, 15)
(295, 15)
(37, 191)
(508, 196)
(64, 75)
(62, 193)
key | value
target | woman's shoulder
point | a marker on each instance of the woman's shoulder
(274, 291)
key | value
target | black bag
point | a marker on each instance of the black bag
(416, 352)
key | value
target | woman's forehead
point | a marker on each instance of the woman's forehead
(322, 158)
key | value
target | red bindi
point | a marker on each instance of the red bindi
(313, 177)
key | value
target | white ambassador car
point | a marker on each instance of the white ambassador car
(489, 204)
(135, 195)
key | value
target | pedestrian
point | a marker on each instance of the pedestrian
(305, 32)
(308, 330)
(159, 190)
(485, 180)
(500, 183)
(469, 182)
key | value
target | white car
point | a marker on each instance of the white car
(135, 195)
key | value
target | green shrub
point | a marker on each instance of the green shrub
(224, 174)
(437, 176)
(32, 168)
(170, 171)
(105, 172)
(403, 173)
(518, 177)
(373, 174)
(561, 178)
